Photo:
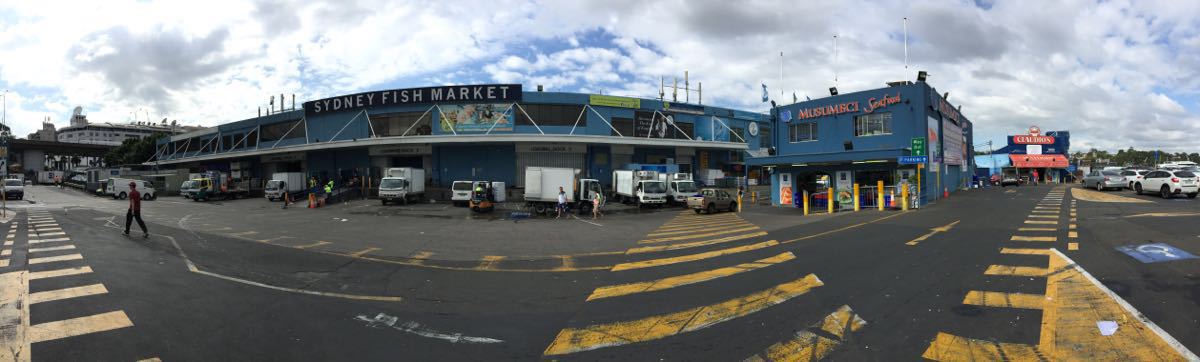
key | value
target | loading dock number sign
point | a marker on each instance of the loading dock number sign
(1155, 253)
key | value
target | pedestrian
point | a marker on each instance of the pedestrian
(1035, 177)
(287, 197)
(596, 201)
(562, 202)
(135, 210)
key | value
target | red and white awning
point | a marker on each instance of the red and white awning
(1039, 161)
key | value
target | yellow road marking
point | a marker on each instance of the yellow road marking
(1037, 229)
(3, 263)
(1165, 214)
(52, 248)
(66, 293)
(648, 249)
(1005, 300)
(151, 359)
(489, 262)
(59, 272)
(14, 312)
(808, 346)
(421, 255)
(1042, 222)
(6, 252)
(949, 347)
(713, 228)
(692, 226)
(1043, 216)
(939, 229)
(243, 233)
(313, 245)
(1072, 246)
(1071, 227)
(692, 257)
(1073, 220)
(1046, 211)
(1072, 234)
(676, 281)
(694, 236)
(1033, 238)
(50, 331)
(55, 258)
(843, 228)
(568, 262)
(363, 252)
(1026, 251)
(573, 340)
(704, 219)
(1094, 196)
(1023, 271)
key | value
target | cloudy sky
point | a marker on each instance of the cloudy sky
(1117, 73)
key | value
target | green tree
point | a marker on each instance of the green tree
(133, 151)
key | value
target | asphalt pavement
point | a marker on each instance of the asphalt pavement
(1016, 273)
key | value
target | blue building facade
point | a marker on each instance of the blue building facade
(862, 137)
(474, 132)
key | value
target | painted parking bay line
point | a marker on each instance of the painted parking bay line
(809, 346)
(692, 257)
(573, 340)
(681, 280)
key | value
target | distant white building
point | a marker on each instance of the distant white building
(47, 133)
(82, 131)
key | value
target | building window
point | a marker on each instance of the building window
(551, 115)
(279, 131)
(764, 136)
(395, 124)
(873, 124)
(738, 132)
(623, 125)
(802, 132)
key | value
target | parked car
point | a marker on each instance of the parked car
(1010, 180)
(1169, 183)
(14, 189)
(1131, 176)
(1103, 180)
(712, 199)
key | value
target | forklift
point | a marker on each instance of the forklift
(484, 196)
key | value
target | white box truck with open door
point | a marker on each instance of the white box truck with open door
(542, 183)
(284, 183)
(402, 184)
(639, 187)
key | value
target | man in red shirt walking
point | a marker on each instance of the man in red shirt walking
(135, 210)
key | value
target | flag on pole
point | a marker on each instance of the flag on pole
(794, 99)
(764, 92)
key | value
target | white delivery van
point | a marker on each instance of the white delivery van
(119, 188)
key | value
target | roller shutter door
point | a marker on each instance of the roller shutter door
(547, 159)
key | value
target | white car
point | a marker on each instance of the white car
(1169, 183)
(1132, 176)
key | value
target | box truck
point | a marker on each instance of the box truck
(284, 183)
(639, 187)
(217, 185)
(402, 184)
(679, 187)
(542, 183)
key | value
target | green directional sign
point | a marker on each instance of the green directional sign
(918, 146)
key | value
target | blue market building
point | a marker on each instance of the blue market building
(864, 137)
(475, 132)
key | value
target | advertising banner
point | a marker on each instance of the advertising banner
(468, 118)
(953, 143)
(659, 125)
(614, 101)
(933, 142)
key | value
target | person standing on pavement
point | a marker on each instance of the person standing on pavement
(596, 206)
(562, 202)
(135, 210)
(1035, 177)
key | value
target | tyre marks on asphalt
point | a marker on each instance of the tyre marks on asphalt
(692, 231)
(1071, 306)
(16, 333)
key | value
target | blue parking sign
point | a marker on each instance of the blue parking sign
(1155, 253)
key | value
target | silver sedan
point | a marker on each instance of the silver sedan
(1103, 180)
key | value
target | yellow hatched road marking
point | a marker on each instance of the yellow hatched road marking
(808, 346)
(66, 293)
(704, 218)
(3, 263)
(1072, 234)
(696, 224)
(691, 230)
(6, 252)
(1072, 246)
(1033, 238)
(1042, 222)
(1009, 270)
(573, 340)
(1026, 251)
(313, 245)
(363, 252)
(1046, 211)
(676, 281)
(52, 248)
(1071, 227)
(78, 326)
(1037, 229)
(14, 287)
(949, 347)
(51, 259)
(692, 257)
(694, 236)
(489, 262)
(59, 272)
(1043, 216)
(649, 249)
(1005, 300)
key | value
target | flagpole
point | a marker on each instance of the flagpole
(835, 77)
(906, 44)
(780, 75)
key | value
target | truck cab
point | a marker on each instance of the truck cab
(392, 189)
(679, 187)
(651, 192)
(401, 184)
(275, 189)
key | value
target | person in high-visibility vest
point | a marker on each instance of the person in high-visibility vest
(329, 187)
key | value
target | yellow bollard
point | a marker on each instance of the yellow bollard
(739, 202)
(879, 190)
(805, 202)
(829, 201)
(856, 202)
(904, 198)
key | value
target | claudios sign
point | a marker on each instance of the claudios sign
(480, 93)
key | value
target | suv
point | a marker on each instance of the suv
(710, 200)
(1132, 176)
(1169, 183)
(14, 189)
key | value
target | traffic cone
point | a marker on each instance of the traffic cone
(945, 192)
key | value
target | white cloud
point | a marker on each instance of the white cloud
(1104, 71)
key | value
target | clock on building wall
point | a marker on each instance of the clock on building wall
(753, 128)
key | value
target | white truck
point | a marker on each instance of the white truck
(460, 192)
(119, 188)
(542, 183)
(283, 183)
(639, 187)
(402, 184)
(679, 187)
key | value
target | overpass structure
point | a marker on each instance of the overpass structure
(30, 156)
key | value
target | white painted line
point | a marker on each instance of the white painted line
(1179, 347)
(413, 327)
(39, 241)
(589, 222)
(52, 248)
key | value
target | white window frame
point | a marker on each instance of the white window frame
(874, 116)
